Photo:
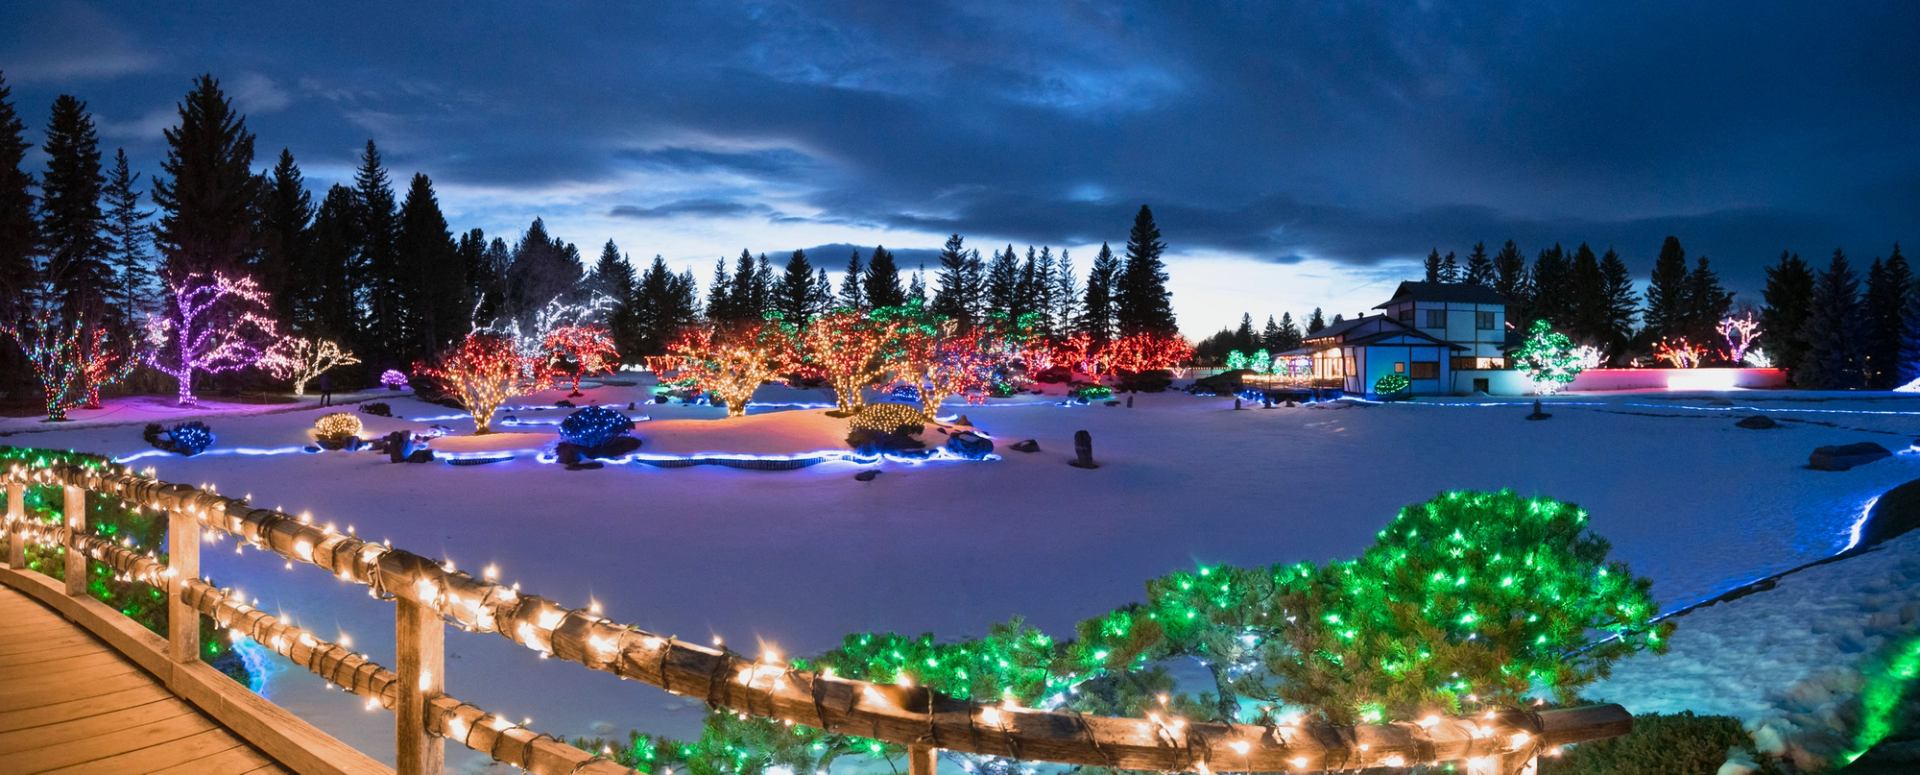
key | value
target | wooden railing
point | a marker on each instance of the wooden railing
(428, 595)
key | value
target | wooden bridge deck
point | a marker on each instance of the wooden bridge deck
(70, 704)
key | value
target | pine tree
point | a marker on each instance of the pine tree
(1621, 302)
(1586, 297)
(852, 296)
(1066, 295)
(917, 287)
(882, 281)
(1789, 302)
(1909, 366)
(1449, 269)
(1889, 283)
(1141, 301)
(543, 268)
(762, 287)
(1666, 315)
(1479, 267)
(1510, 279)
(1243, 338)
(1042, 289)
(17, 230)
(206, 198)
(666, 305)
(1097, 314)
(793, 295)
(960, 280)
(334, 253)
(1316, 322)
(1432, 267)
(128, 238)
(720, 307)
(1833, 330)
(820, 299)
(286, 212)
(1706, 303)
(72, 227)
(1003, 277)
(487, 283)
(1552, 287)
(1289, 334)
(1270, 335)
(612, 275)
(385, 331)
(435, 282)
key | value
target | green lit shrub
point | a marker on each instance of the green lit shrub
(1660, 745)
(1392, 386)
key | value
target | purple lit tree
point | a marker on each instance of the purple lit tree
(209, 323)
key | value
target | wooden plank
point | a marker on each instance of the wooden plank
(190, 749)
(73, 505)
(274, 730)
(232, 761)
(24, 718)
(111, 744)
(95, 725)
(61, 662)
(50, 640)
(420, 640)
(183, 558)
(35, 691)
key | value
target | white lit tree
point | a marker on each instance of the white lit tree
(300, 359)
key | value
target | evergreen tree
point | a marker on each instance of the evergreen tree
(1270, 335)
(1587, 301)
(1622, 304)
(206, 198)
(666, 305)
(820, 300)
(1706, 303)
(1449, 269)
(17, 230)
(1097, 314)
(128, 237)
(334, 296)
(1316, 322)
(1909, 366)
(1666, 315)
(1243, 338)
(1066, 295)
(1510, 273)
(1552, 287)
(793, 294)
(1833, 330)
(482, 274)
(72, 228)
(1289, 334)
(1789, 302)
(488, 284)
(917, 287)
(1432, 267)
(761, 289)
(852, 296)
(1043, 288)
(720, 308)
(434, 281)
(1003, 279)
(543, 268)
(1141, 301)
(612, 276)
(384, 335)
(882, 281)
(960, 279)
(744, 293)
(286, 213)
(1479, 267)
(1889, 284)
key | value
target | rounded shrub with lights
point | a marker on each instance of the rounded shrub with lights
(190, 438)
(393, 379)
(1087, 394)
(1392, 387)
(338, 430)
(886, 427)
(594, 426)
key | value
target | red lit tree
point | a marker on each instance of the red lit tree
(103, 362)
(941, 361)
(481, 372)
(851, 351)
(1135, 353)
(589, 348)
(211, 323)
(730, 361)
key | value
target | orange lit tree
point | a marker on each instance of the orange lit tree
(941, 361)
(481, 372)
(589, 348)
(852, 351)
(730, 361)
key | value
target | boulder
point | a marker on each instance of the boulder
(1758, 422)
(1846, 456)
(970, 445)
(867, 475)
(1030, 445)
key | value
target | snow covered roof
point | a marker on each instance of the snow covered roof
(1461, 293)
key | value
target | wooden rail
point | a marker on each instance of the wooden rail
(428, 594)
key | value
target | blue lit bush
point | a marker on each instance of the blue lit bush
(190, 438)
(594, 426)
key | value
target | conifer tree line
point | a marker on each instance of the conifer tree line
(375, 265)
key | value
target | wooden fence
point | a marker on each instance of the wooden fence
(428, 595)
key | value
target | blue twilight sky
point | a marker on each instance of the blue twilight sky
(1297, 154)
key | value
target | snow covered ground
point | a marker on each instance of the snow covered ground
(797, 559)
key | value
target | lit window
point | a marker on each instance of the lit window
(1425, 370)
(1399, 367)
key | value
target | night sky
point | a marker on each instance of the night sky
(1296, 154)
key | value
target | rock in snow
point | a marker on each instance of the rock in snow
(1846, 456)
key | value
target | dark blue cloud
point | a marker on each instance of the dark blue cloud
(1357, 133)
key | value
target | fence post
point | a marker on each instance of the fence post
(420, 646)
(922, 759)
(74, 508)
(183, 560)
(17, 526)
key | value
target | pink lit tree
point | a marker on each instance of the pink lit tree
(209, 323)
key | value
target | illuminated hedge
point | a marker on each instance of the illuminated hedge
(888, 418)
(338, 425)
(1391, 385)
(594, 426)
